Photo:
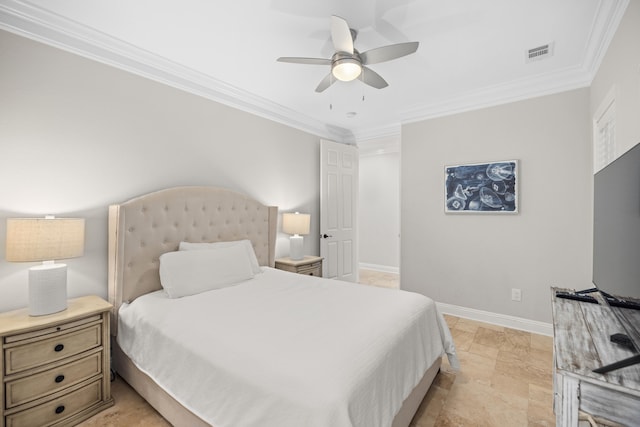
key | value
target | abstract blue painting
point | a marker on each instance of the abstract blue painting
(482, 188)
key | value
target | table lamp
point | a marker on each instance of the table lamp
(297, 225)
(45, 239)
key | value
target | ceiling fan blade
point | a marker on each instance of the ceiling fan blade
(325, 83)
(341, 35)
(372, 78)
(387, 53)
(310, 61)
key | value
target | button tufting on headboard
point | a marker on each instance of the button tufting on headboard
(157, 222)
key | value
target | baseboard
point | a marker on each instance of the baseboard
(507, 321)
(377, 267)
(512, 322)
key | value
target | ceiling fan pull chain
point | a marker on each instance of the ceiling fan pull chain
(331, 92)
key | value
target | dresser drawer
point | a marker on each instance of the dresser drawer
(32, 387)
(314, 269)
(64, 327)
(50, 348)
(54, 369)
(59, 409)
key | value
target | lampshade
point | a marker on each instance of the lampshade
(346, 69)
(45, 239)
(296, 223)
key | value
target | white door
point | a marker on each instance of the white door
(338, 210)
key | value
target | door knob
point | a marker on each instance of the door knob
(324, 236)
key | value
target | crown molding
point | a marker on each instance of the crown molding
(29, 21)
(516, 90)
(603, 29)
(38, 24)
(386, 131)
(379, 146)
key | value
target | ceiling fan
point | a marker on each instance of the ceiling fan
(347, 63)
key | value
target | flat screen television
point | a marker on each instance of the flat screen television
(616, 238)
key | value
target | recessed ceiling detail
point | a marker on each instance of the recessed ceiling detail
(450, 73)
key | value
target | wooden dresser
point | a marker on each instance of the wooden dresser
(55, 368)
(581, 344)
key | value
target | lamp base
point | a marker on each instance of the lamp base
(47, 289)
(295, 247)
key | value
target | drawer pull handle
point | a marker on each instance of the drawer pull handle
(59, 347)
(59, 378)
(60, 409)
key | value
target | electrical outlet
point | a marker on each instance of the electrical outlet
(516, 294)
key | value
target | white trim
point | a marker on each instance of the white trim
(606, 102)
(604, 27)
(38, 24)
(516, 90)
(379, 146)
(378, 267)
(604, 119)
(386, 131)
(512, 322)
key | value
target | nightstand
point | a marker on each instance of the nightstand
(309, 265)
(55, 368)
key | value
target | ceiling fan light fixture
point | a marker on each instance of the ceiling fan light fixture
(346, 69)
(347, 64)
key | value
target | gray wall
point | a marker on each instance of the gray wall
(474, 260)
(620, 69)
(379, 208)
(77, 135)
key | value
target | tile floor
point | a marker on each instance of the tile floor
(504, 380)
(377, 278)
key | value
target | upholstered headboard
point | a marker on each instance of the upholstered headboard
(143, 228)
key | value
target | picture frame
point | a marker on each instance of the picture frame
(490, 187)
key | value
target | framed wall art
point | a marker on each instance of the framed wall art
(482, 187)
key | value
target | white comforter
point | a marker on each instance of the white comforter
(283, 350)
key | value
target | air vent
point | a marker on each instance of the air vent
(540, 52)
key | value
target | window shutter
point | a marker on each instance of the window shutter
(604, 133)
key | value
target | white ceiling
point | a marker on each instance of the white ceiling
(471, 54)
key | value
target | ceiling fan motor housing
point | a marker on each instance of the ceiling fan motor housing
(346, 66)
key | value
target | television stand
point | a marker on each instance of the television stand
(581, 344)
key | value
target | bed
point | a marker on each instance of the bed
(269, 348)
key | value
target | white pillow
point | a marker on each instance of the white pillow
(187, 246)
(191, 272)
